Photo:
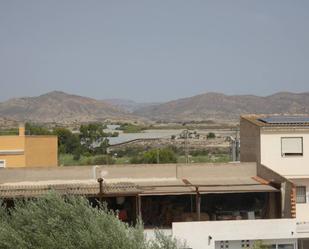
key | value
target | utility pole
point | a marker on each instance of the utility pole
(237, 145)
(186, 146)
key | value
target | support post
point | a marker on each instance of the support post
(100, 181)
(139, 206)
(198, 204)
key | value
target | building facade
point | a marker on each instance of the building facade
(225, 204)
(281, 143)
(28, 151)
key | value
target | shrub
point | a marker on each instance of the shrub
(211, 135)
(70, 223)
(165, 155)
(104, 159)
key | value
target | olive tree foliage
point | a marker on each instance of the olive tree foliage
(53, 222)
(259, 245)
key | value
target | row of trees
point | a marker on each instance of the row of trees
(90, 140)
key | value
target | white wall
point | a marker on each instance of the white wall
(196, 234)
(302, 209)
(291, 166)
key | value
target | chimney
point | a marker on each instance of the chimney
(21, 130)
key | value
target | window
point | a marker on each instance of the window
(224, 244)
(291, 146)
(245, 244)
(300, 194)
(2, 163)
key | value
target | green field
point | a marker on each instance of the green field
(67, 159)
(221, 158)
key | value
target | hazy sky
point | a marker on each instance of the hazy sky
(153, 50)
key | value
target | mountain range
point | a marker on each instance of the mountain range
(60, 107)
(217, 106)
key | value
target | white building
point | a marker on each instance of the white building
(280, 143)
(275, 233)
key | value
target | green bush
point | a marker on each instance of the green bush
(103, 159)
(131, 128)
(53, 222)
(211, 135)
(129, 151)
(165, 155)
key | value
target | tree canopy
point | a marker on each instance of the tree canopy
(91, 139)
(36, 129)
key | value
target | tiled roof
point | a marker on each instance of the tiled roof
(35, 190)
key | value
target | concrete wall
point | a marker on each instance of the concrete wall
(216, 170)
(249, 141)
(289, 166)
(46, 174)
(41, 151)
(234, 231)
(198, 170)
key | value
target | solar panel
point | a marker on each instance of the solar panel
(285, 120)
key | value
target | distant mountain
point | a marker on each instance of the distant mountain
(59, 107)
(217, 106)
(128, 105)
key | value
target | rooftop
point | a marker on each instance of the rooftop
(135, 179)
(263, 120)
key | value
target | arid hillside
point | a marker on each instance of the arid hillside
(216, 106)
(59, 107)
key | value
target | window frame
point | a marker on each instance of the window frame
(305, 201)
(293, 154)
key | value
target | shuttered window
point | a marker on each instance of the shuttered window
(300, 194)
(292, 146)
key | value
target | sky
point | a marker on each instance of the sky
(153, 51)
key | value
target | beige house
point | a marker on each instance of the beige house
(28, 151)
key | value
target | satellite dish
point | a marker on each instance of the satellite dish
(103, 173)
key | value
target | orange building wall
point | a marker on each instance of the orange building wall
(13, 143)
(13, 160)
(33, 151)
(41, 151)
